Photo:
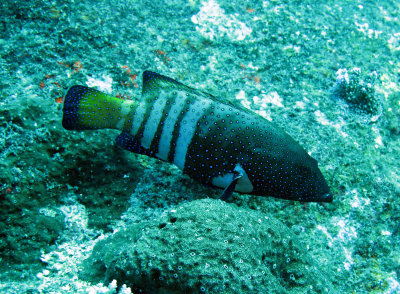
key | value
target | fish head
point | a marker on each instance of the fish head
(309, 185)
(295, 177)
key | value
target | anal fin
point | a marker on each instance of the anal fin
(131, 143)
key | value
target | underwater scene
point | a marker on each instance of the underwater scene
(200, 146)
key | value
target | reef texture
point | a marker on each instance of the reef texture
(207, 246)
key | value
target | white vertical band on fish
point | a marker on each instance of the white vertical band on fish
(153, 121)
(138, 118)
(169, 124)
(186, 131)
(125, 109)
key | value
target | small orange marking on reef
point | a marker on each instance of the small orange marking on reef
(123, 96)
(128, 70)
(57, 84)
(251, 77)
(165, 58)
(77, 65)
(257, 79)
(159, 52)
(62, 63)
(132, 77)
(47, 77)
(59, 99)
(8, 190)
(250, 10)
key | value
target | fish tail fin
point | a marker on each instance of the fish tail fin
(89, 109)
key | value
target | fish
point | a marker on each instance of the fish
(214, 141)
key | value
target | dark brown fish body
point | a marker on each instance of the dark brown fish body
(212, 141)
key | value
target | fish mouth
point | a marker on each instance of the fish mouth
(328, 197)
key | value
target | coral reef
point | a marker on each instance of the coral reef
(207, 246)
(358, 90)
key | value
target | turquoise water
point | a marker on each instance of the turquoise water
(328, 74)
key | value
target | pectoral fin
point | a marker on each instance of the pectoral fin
(227, 193)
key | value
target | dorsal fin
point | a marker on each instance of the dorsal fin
(154, 82)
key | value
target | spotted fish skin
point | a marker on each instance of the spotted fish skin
(209, 139)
